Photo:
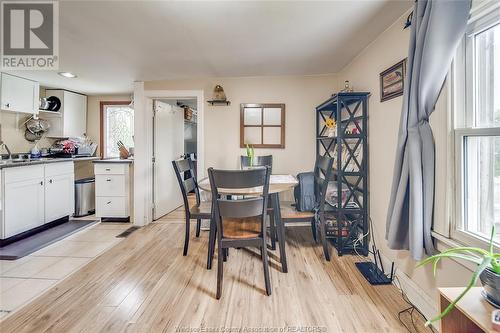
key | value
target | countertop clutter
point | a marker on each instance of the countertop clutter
(25, 162)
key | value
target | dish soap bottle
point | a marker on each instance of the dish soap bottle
(35, 152)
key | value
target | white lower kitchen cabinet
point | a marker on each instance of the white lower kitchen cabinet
(113, 188)
(59, 190)
(24, 201)
(35, 195)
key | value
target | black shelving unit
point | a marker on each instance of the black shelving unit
(348, 216)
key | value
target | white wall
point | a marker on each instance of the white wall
(13, 133)
(363, 73)
(301, 94)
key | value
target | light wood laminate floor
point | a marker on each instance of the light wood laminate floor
(144, 284)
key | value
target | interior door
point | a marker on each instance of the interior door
(168, 146)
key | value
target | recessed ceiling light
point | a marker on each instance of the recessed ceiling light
(67, 74)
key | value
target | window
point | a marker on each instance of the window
(117, 124)
(477, 131)
(262, 125)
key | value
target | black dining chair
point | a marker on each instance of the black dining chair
(261, 161)
(323, 172)
(240, 222)
(185, 173)
(266, 160)
(322, 175)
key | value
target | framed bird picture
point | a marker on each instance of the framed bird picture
(392, 81)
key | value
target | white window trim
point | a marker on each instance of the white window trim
(457, 232)
(482, 17)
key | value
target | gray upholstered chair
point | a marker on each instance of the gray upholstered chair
(322, 175)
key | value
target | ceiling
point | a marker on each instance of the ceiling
(110, 44)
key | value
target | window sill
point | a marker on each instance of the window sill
(444, 243)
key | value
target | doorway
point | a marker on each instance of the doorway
(175, 135)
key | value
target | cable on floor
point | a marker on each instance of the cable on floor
(412, 308)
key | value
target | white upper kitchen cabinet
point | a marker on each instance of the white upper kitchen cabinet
(71, 120)
(18, 94)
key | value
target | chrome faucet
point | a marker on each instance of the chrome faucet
(4, 145)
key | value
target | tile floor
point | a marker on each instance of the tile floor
(24, 279)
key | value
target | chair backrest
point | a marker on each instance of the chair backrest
(266, 160)
(240, 208)
(184, 171)
(323, 172)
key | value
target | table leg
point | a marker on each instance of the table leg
(280, 230)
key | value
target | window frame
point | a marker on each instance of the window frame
(462, 118)
(262, 106)
(102, 106)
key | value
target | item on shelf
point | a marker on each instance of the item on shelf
(44, 104)
(332, 228)
(188, 113)
(331, 126)
(219, 96)
(354, 129)
(54, 103)
(347, 87)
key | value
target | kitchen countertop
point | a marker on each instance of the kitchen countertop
(9, 164)
(114, 160)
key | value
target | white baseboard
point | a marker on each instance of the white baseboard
(423, 302)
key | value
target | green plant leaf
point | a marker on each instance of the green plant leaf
(439, 256)
(491, 238)
(484, 264)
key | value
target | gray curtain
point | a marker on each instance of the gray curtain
(436, 30)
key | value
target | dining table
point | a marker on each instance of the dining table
(277, 184)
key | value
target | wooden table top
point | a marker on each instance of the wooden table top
(473, 305)
(277, 184)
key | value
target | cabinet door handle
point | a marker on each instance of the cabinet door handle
(107, 203)
(50, 181)
(108, 169)
(108, 180)
(7, 105)
(41, 183)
